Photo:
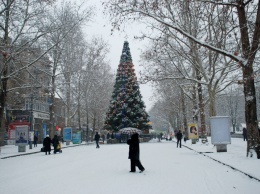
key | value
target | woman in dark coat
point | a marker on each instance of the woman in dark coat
(134, 153)
(55, 142)
(47, 144)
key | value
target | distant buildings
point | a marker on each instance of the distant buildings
(28, 97)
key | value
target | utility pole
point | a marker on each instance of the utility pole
(31, 120)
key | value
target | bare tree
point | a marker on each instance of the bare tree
(246, 22)
(169, 105)
(70, 19)
(231, 103)
(199, 66)
(20, 29)
(97, 83)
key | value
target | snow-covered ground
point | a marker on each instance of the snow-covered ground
(85, 169)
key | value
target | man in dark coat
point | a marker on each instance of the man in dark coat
(134, 153)
(35, 139)
(47, 144)
(55, 142)
(245, 134)
(179, 137)
(97, 137)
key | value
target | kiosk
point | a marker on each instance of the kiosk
(220, 132)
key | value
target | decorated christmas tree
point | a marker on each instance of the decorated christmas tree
(126, 107)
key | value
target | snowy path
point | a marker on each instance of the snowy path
(231, 166)
(85, 169)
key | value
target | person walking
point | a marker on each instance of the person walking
(55, 143)
(245, 134)
(47, 144)
(184, 137)
(179, 137)
(35, 139)
(108, 136)
(97, 137)
(103, 138)
(134, 153)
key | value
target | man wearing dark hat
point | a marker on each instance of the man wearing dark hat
(47, 144)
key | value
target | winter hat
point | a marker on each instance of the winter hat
(135, 136)
(47, 135)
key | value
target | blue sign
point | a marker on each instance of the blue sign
(21, 135)
(76, 138)
(44, 130)
(67, 134)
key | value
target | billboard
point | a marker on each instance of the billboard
(31, 135)
(193, 131)
(67, 134)
(76, 137)
(12, 129)
(220, 130)
(21, 135)
(44, 130)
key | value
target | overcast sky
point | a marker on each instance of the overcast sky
(101, 27)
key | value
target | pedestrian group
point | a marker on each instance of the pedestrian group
(47, 144)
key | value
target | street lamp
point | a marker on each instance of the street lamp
(32, 119)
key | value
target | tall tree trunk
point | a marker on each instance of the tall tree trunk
(51, 123)
(2, 102)
(68, 106)
(94, 126)
(87, 131)
(5, 61)
(2, 110)
(212, 108)
(250, 112)
(184, 113)
(201, 110)
(194, 98)
(249, 54)
(79, 115)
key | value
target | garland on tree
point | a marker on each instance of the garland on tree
(126, 107)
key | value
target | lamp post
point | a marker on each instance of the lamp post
(31, 121)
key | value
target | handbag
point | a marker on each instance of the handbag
(58, 146)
